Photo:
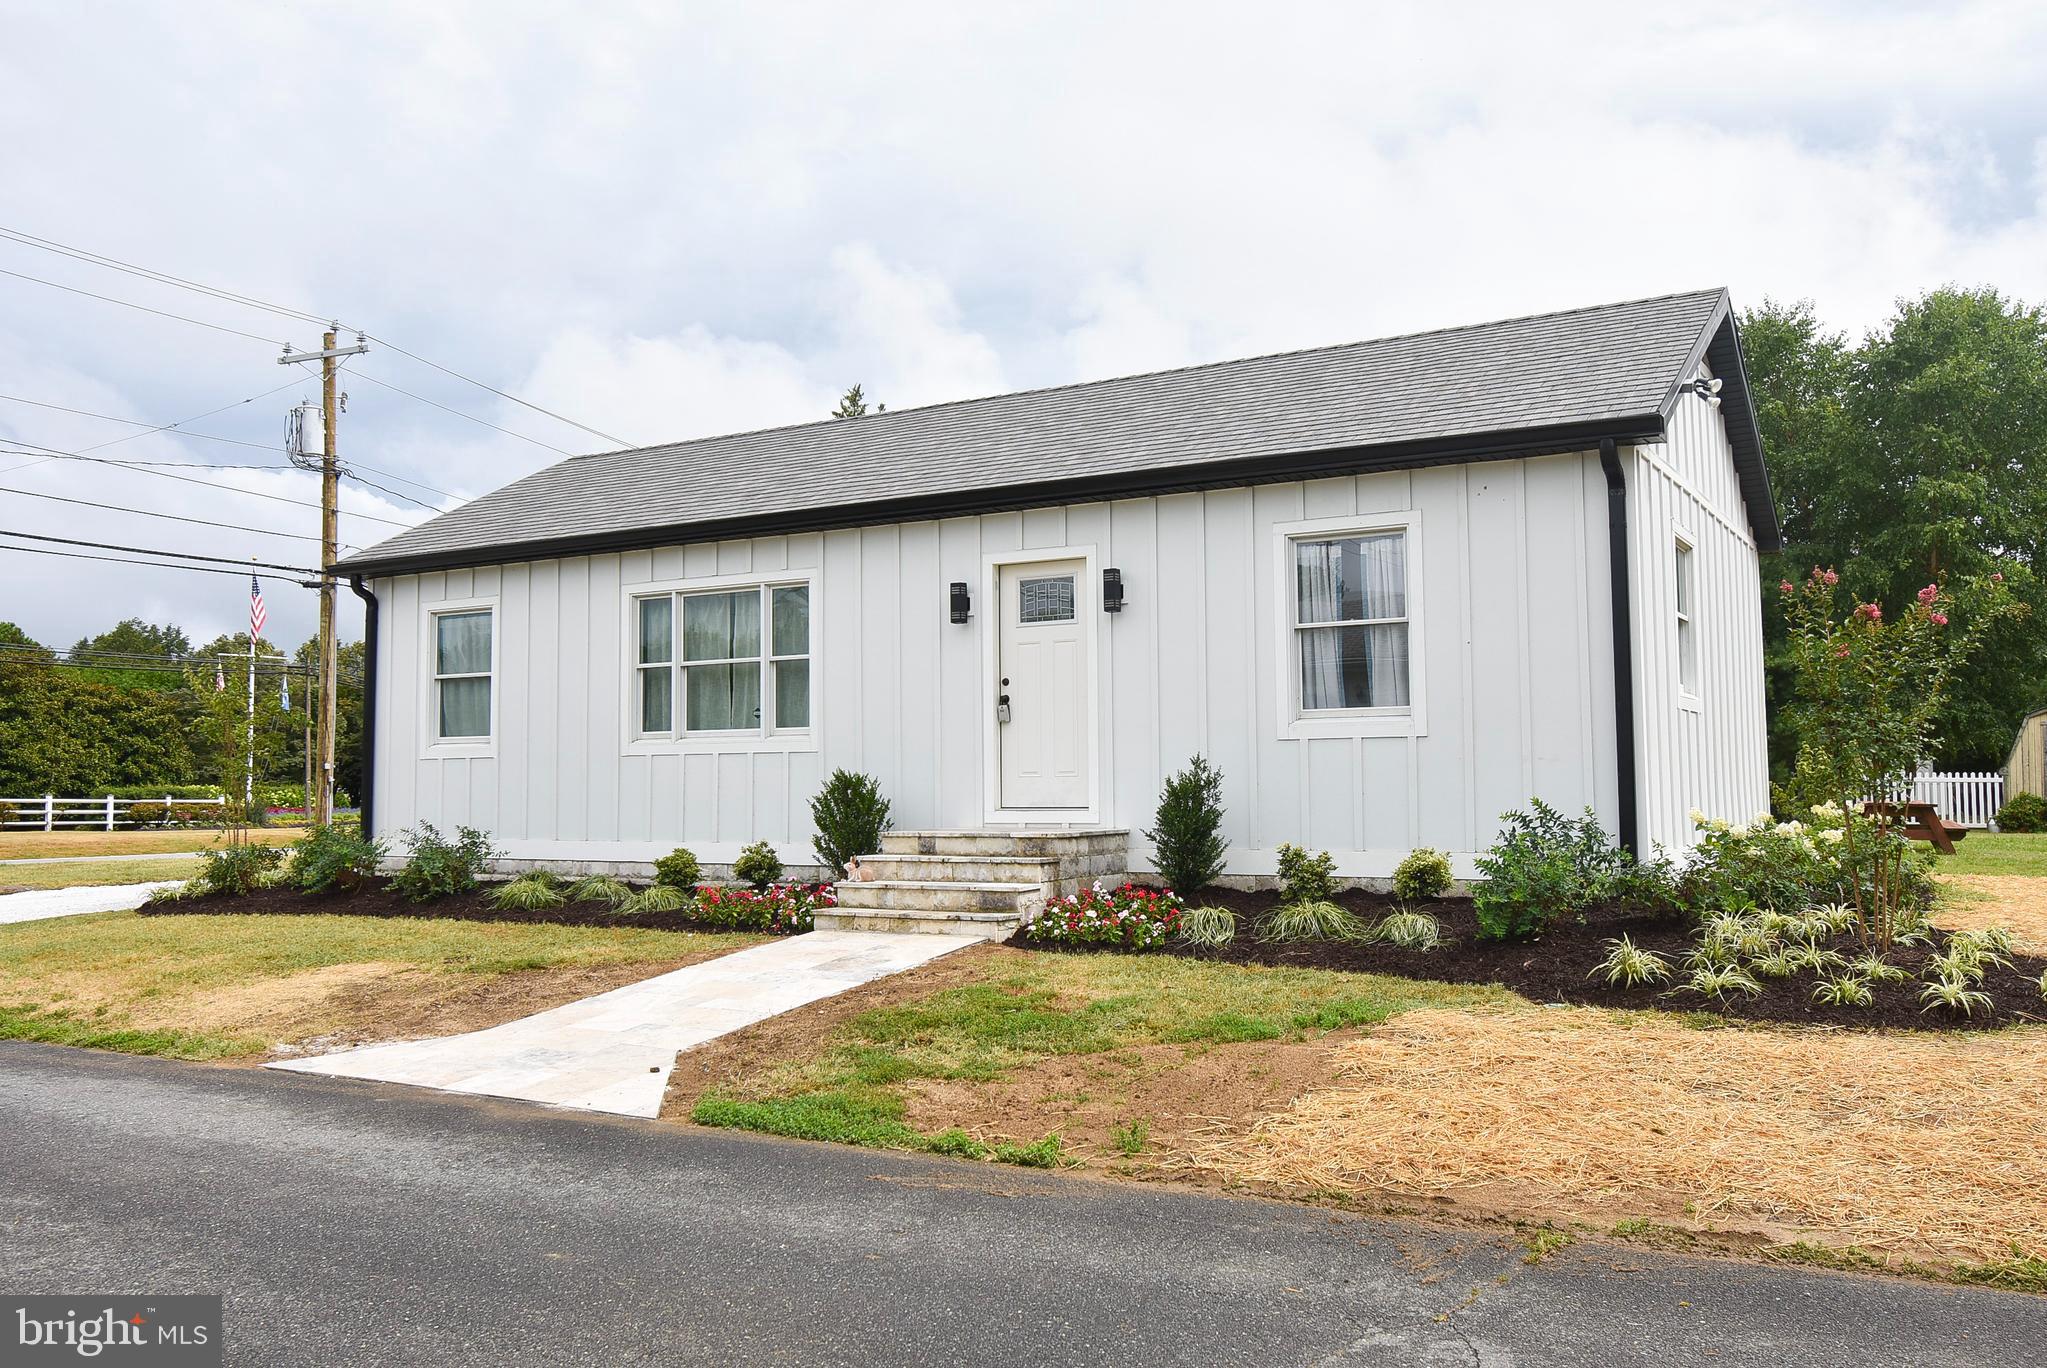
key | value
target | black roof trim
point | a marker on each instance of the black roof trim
(1719, 346)
(1359, 460)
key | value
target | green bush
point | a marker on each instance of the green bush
(1423, 875)
(8, 813)
(536, 891)
(1187, 830)
(160, 791)
(1544, 868)
(440, 868)
(1311, 921)
(238, 870)
(1305, 878)
(757, 865)
(326, 858)
(849, 814)
(678, 869)
(2023, 812)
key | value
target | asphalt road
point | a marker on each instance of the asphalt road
(362, 1224)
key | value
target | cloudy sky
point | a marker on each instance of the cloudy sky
(666, 220)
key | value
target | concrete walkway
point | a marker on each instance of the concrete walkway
(613, 1052)
(95, 859)
(40, 903)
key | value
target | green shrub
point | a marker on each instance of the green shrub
(326, 858)
(1305, 878)
(1627, 965)
(1409, 930)
(1423, 875)
(538, 891)
(678, 869)
(1545, 867)
(849, 814)
(658, 897)
(238, 869)
(440, 868)
(757, 865)
(1309, 921)
(2023, 812)
(1187, 831)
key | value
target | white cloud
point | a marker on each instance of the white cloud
(667, 221)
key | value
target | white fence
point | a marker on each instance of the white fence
(51, 813)
(1970, 800)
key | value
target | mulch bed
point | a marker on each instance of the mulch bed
(1555, 966)
(377, 898)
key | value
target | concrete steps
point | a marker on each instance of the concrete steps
(972, 882)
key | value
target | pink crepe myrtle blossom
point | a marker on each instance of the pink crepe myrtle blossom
(1929, 593)
(1937, 619)
(1785, 587)
(1870, 611)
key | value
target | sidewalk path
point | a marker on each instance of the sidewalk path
(95, 859)
(613, 1052)
(71, 902)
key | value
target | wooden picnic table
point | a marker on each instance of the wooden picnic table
(1921, 822)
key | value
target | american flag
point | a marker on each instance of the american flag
(257, 617)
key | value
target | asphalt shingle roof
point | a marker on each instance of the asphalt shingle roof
(1611, 367)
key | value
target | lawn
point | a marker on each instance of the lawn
(74, 873)
(1998, 853)
(210, 987)
(30, 845)
(989, 1065)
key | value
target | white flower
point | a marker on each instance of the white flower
(1698, 818)
(1833, 835)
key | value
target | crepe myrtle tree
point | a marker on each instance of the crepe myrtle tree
(1868, 692)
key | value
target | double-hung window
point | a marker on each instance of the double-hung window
(1687, 627)
(722, 662)
(462, 651)
(1349, 623)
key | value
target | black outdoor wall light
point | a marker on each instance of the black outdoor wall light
(1112, 590)
(962, 605)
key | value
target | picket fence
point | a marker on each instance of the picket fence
(1971, 800)
(51, 813)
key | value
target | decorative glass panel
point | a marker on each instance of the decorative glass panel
(721, 627)
(463, 646)
(791, 631)
(657, 630)
(1048, 599)
(792, 693)
(1352, 579)
(722, 697)
(657, 702)
(465, 707)
(1354, 667)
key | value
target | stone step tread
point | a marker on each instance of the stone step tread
(955, 885)
(922, 914)
(1033, 832)
(908, 856)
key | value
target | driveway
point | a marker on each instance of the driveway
(352, 1223)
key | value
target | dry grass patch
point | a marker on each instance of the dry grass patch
(2016, 902)
(222, 986)
(1904, 1144)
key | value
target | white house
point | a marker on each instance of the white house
(1391, 589)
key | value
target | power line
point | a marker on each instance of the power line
(52, 452)
(230, 296)
(151, 551)
(382, 489)
(147, 513)
(131, 304)
(153, 565)
(365, 375)
(136, 422)
(167, 427)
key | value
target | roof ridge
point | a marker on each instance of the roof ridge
(1718, 290)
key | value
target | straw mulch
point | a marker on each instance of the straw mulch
(1915, 1144)
(2014, 902)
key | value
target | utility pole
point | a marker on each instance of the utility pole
(322, 801)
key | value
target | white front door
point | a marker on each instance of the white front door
(1042, 729)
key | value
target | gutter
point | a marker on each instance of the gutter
(366, 800)
(1620, 580)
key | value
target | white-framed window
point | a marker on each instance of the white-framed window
(462, 641)
(723, 661)
(1685, 596)
(1350, 629)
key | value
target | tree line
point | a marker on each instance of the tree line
(176, 718)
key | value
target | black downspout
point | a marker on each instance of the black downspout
(1623, 641)
(366, 800)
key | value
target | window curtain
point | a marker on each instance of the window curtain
(1385, 594)
(1353, 580)
(721, 626)
(464, 643)
(465, 708)
(1318, 578)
